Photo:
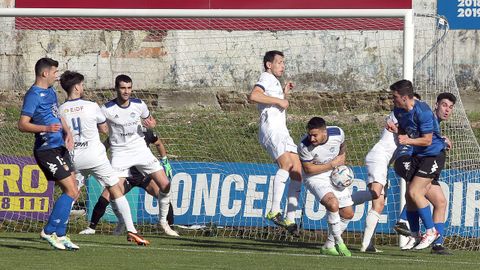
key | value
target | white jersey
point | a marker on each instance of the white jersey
(323, 153)
(386, 146)
(319, 184)
(82, 117)
(125, 125)
(272, 118)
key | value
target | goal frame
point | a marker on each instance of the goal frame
(406, 14)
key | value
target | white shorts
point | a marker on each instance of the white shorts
(104, 174)
(377, 167)
(278, 144)
(143, 160)
(320, 186)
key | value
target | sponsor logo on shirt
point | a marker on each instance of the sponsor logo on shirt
(132, 115)
(81, 144)
(55, 110)
(127, 134)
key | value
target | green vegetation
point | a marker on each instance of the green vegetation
(27, 251)
(474, 118)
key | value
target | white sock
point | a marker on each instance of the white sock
(343, 224)
(362, 196)
(163, 205)
(123, 208)
(335, 227)
(335, 236)
(330, 243)
(278, 188)
(370, 225)
(293, 193)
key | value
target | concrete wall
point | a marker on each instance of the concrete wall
(212, 61)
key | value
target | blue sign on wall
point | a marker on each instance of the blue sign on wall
(460, 14)
(239, 194)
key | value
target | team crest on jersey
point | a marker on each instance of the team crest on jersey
(55, 110)
(332, 149)
(132, 115)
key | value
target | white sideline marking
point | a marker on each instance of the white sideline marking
(379, 258)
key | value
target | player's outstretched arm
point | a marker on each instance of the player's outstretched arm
(258, 96)
(24, 125)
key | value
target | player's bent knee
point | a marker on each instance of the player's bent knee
(330, 202)
(375, 194)
(347, 212)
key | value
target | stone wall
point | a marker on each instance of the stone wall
(188, 69)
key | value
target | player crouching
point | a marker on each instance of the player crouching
(320, 151)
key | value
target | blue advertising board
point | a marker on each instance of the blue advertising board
(460, 14)
(238, 194)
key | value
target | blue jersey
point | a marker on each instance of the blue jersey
(42, 106)
(418, 121)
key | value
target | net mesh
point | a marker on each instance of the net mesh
(195, 75)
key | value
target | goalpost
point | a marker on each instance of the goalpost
(194, 69)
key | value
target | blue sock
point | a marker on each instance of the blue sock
(403, 214)
(426, 216)
(413, 221)
(57, 222)
(440, 227)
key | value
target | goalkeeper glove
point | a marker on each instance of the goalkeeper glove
(166, 166)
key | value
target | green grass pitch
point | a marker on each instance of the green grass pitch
(28, 251)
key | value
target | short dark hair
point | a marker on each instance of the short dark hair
(316, 123)
(403, 87)
(417, 95)
(447, 95)
(122, 78)
(44, 63)
(69, 79)
(269, 56)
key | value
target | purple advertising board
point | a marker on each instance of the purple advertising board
(25, 193)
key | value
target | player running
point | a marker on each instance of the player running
(321, 150)
(85, 119)
(275, 137)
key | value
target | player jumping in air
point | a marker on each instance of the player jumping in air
(275, 137)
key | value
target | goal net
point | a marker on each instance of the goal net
(195, 75)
